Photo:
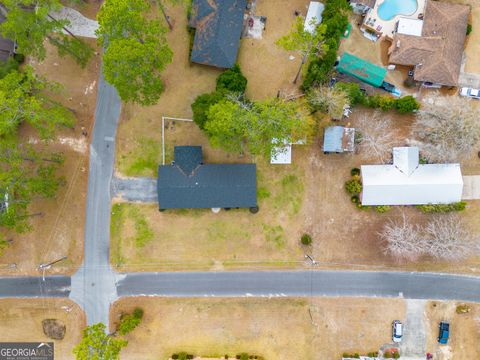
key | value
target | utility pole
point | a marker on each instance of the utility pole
(44, 267)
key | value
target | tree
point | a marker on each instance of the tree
(96, 344)
(355, 95)
(331, 101)
(25, 175)
(23, 99)
(232, 80)
(238, 126)
(406, 104)
(444, 237)
(136, 50)
(376, 136)
(29, 23)
(307, 44)
(128, 322)
(447, 128)
(201, 105)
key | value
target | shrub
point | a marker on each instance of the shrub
(128, 322)
(355, 199)
(232, 80)
(319, 70)
(387, 355)
(380, 102)
(306, 239)
(382, 208)
(396, 355)
(353, 186)
(462, 309)
(355, 171)
(7, 66)
(469, 29)
(442, 208)
(356, 356)
(19, 58)
(175, 356)
(242, 356)
(355, 95)
(201, 105)
(406, 104)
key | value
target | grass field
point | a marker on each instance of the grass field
(277, 329)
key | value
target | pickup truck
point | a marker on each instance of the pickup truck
(443, 332)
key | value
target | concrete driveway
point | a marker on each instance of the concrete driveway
(413, 345)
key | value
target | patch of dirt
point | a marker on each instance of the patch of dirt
(21, 321)
(54, 329)
(464, 331)
(58, 231)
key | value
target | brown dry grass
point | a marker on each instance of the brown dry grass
(59, 232)
(274, 328)
(464, 331)
(21, 320)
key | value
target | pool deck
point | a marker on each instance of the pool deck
(373, 22)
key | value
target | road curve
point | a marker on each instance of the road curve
(34, 286)
(409, 285)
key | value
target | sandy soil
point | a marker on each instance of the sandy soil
(21, 320)
(59, 231)
(273, 328)
(464, 331)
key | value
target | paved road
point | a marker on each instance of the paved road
(93, 286)
(302, 283)
(138, 189)
(33, 286)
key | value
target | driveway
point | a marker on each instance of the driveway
(471, 187)
(413, 345)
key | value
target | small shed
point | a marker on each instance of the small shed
(314, 16)
(338, 139)
(361, 69)
(281, 153)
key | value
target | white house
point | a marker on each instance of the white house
(407, 182)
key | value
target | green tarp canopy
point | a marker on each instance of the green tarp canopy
(361, 69)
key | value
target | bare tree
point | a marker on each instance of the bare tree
(448, 237)
(445, 236)
(376, 136)
(402, 239)
(447, 128)
(328, 100)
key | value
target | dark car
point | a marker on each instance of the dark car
(443, 333)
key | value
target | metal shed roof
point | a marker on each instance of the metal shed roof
(406, 182)
(207, 185)
(338, 139)
(361, 69)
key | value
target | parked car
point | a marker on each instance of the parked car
(443, 332)
(391, 88)
(470, 92)
(397, 331)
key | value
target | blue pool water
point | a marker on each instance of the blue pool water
(391, 8)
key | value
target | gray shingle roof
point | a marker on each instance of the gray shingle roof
(218, 25)
(207, 185)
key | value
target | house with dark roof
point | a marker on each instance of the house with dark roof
(188, 183)
(7, 46)
(218, 26)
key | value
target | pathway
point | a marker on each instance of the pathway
(471, 187)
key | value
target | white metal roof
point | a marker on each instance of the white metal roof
(403, 183)
(410, 26)
(314, 16)
(282, 153)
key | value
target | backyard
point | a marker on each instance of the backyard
(278, 328)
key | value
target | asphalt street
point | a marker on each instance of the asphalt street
(34, 286)
(93, 286)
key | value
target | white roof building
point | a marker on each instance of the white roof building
(314, 16)
(410, 26)
(407, 182)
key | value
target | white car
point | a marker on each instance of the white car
(397, 331)
(473, 93)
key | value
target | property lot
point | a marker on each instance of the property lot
(305, 197)
(278, 328)
(21, 320)
(464, 330)
(58, 230)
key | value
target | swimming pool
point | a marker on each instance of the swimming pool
(391, 8)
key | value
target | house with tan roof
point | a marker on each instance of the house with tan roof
(436, 54)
